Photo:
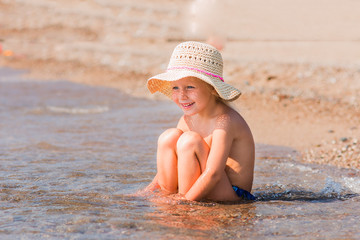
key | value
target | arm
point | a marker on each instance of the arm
(215, 165)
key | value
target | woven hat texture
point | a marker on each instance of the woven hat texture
(194, 59)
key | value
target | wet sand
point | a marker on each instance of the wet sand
(297, 63)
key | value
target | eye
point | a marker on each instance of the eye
(190, 87)
(175, 88)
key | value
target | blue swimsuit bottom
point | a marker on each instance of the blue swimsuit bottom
(243, 193)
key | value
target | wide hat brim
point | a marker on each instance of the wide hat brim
(162, 83)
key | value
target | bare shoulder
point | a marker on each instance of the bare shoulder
(233, 122)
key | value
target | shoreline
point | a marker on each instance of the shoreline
(300, 90)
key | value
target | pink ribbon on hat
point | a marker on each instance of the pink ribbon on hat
(199, 70)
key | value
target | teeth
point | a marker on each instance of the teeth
(187, 105)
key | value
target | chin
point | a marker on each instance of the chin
(189, 113)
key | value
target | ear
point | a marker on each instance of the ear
(214, 92)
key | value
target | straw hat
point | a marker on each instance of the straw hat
(194, 59)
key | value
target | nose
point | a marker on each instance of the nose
(183, 94)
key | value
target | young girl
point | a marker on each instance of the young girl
(210, 154)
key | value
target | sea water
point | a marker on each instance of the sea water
(71, 156)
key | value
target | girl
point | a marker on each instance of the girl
(210, 154)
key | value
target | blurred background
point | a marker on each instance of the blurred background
(124, 35)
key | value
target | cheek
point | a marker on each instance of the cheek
(202, 96)
(193, 95)
(175, 96)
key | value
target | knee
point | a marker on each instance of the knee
(169, 137)
(188, 141)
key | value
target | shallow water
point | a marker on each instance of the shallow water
(70, 154)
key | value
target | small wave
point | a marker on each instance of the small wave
(352, 183)
(77, 110)
(331, 191)
(333, 188)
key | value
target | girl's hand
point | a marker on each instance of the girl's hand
(179, 197)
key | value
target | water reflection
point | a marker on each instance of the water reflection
(198, 216)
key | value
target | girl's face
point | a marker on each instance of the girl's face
(192, 95)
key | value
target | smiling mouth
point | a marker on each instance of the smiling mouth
(187, 105)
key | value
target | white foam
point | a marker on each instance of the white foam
(352, 183)
(332, 187)
(77, 110)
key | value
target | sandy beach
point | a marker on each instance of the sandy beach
(297, 63)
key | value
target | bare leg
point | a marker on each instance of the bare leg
(167, 175)
(192, 153)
